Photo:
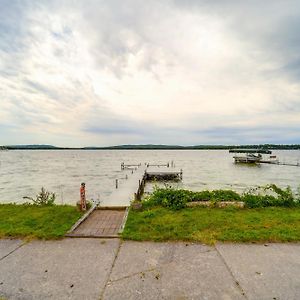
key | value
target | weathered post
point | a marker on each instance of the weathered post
(117, 183)
(82, 197)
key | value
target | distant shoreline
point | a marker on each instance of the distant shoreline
(154, 147)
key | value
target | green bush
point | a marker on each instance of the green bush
(177, 199)
(43, 198)
(168, 197)
(261, 197)
(266, 196)
(225, 195)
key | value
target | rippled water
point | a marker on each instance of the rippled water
(23, 173)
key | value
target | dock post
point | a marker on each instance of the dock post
(82, 197)
(181, 174)
(117, 183)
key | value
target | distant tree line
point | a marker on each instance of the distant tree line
(157, 147)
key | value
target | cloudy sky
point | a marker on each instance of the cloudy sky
(92, 72)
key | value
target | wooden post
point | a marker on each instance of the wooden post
(117, 183)
(82, 197)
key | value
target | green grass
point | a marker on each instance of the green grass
(208, 225)
(31, 221)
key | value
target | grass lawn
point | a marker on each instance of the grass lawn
(30, 221)
(208, 225)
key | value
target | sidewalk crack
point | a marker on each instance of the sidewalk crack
(132, 275)
(110, 272)
(231, 273)
(12, 251)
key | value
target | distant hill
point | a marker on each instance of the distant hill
(142, 147)
(30, 147)
(197, 147)
(155, 147)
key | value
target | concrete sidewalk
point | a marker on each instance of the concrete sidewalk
(112, 269)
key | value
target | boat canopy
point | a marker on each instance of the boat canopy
(263, 151)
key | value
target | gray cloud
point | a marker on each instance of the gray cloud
(137, 72)
(269, 28)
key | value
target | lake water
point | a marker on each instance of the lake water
(23, 173)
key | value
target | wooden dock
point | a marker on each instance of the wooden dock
(279, 163)
(124, 193)
(108, 221)
(163, 174)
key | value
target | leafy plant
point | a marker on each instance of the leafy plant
(265, 196)
(225, 195)
(167, 197)
(270, 195)
(43, 198)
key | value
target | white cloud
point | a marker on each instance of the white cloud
(99, 73)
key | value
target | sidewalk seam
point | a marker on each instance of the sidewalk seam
(110, 272)
(11, 252)
(231, 273)
(132, 275)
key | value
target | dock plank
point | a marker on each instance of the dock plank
(100, 223)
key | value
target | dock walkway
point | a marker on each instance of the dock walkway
(124, 194)
(108, 221)
(280, 163)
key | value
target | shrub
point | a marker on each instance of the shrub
(270, 195)
(225, 195)
(167, 197)
(43, 198)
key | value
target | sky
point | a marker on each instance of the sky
(99, 73)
